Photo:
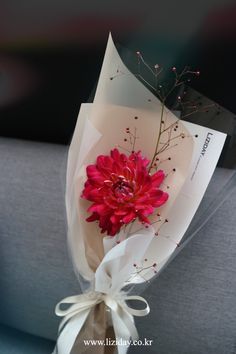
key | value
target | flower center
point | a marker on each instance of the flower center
(122, 188)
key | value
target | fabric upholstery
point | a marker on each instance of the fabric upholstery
(193, 302)
(17, 342)
(194, 299)
(36, 271)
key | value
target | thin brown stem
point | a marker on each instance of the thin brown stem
(158, 137)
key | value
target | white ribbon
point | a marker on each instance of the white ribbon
(109, 279)
(80, 306)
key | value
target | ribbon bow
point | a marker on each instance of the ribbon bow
(80, 306)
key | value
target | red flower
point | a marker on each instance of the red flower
(121, 190)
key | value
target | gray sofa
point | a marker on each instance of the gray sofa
(193, 301)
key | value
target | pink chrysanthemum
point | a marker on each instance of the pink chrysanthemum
(122, 190)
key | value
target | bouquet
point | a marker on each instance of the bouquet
(135, 177)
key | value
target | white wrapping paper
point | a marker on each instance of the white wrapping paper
(111, 263)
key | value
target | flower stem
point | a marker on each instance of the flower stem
(158, 137)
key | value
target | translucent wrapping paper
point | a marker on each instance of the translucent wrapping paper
(108, 267)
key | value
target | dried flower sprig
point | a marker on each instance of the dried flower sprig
(163, 92)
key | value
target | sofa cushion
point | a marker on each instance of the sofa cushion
(193, 307)
(193, 300)
(17, 342)
(36, 271)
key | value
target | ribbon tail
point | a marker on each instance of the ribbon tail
(70, 332)
(124, 328)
